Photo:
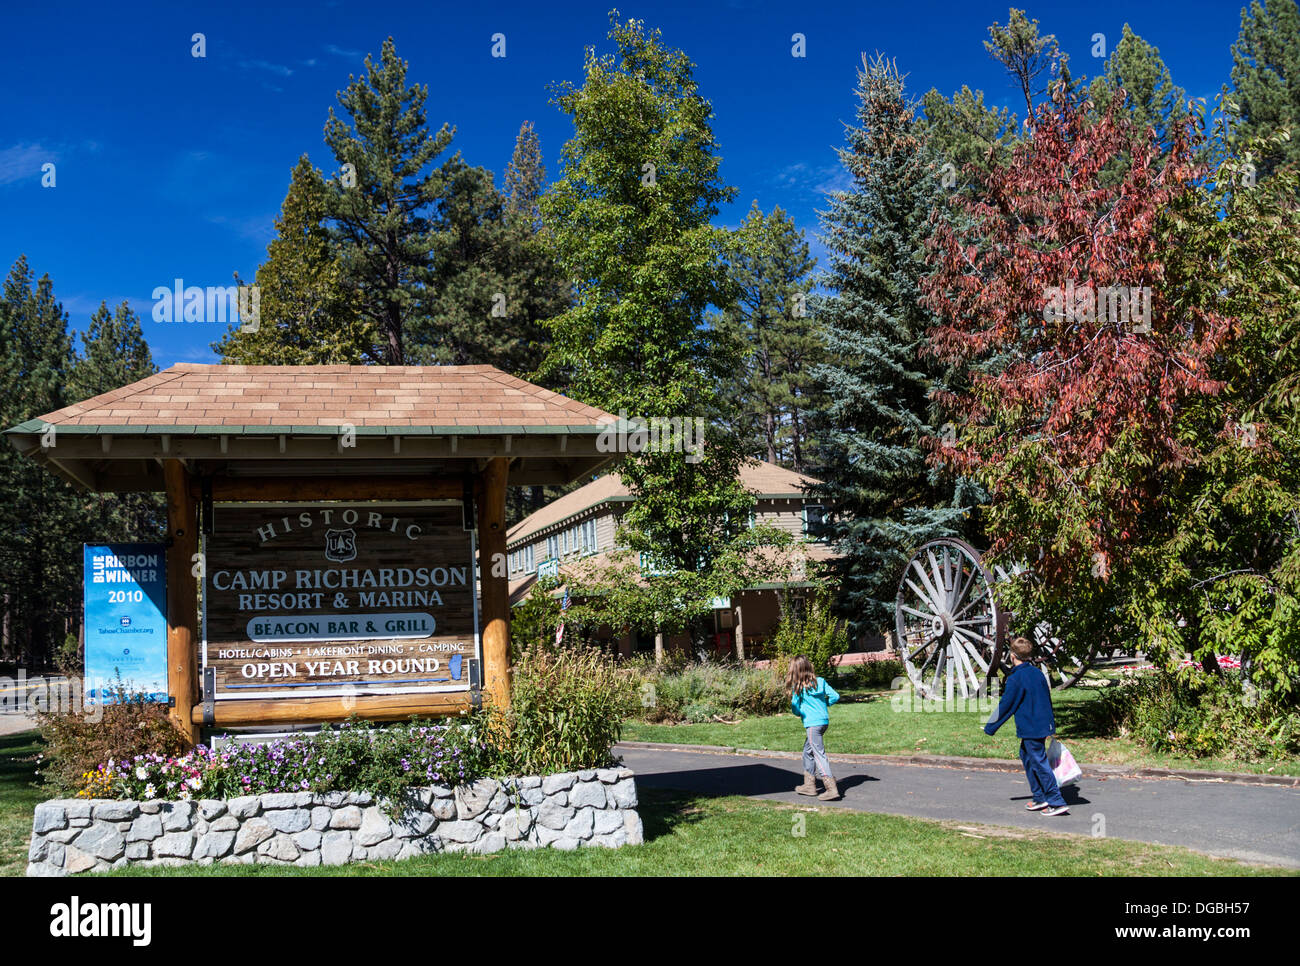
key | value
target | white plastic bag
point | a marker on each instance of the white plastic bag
(1064, 767)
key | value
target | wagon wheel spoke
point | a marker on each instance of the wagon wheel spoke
(942, 589)
(916, 613)
(973, 601)
(932, 594)
(973, 651)
(966, 676)
(925, 598)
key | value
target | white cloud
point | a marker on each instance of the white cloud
(267, 66)
(23, 161)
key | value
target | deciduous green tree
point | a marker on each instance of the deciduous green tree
(629, 219)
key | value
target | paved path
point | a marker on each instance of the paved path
(1250, 822)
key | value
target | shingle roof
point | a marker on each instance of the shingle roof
(767, 480)
(192, 395)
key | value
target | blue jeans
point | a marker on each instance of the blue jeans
(815, 761)
(1042, 783)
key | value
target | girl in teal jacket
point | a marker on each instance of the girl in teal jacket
(811, 699)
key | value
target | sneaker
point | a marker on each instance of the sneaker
(1035, 806)
(1056, 810)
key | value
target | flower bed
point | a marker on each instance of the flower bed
(592, 807)
(353, 757)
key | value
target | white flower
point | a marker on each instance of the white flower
(195, 782)
(142, 773)
(150, 791)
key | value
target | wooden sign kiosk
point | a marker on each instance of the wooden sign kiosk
(358, 458)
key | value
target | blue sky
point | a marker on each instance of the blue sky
(169, 166)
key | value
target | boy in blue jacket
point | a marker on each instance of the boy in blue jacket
(1027, 696)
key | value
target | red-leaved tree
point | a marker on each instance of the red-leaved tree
(1052, 291)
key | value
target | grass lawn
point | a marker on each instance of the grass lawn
(867, 723)
(18, 799)
(689, 835)
(731, 836)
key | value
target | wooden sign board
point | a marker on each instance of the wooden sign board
(304, 600)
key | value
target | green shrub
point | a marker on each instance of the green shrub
(566, 712)
(533, 622)
(76, 745)
(705, 692)
(870, 675)
(68, 656)
(810, 629)
(1189, 712)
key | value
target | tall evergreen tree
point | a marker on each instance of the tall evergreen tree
(1151, 98)
(966, 133)
(1265, 92)
(1032, 60)
(771, 399)
(113, 354)
(881, 418)
(493, 282)
(630, 222)
(526, 176)
(379, 203)
(307, 316)
(40, 516)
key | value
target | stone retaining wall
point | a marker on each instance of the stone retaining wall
(564, 811)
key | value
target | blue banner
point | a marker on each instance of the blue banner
(125, 591)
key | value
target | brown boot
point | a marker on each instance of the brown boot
(832, 793)
(809, 786)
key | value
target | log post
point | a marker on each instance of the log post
(494, 581)
(182, 597)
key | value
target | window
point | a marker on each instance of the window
(652, 567)
(528, 564)
(814, 521)
(552, 546)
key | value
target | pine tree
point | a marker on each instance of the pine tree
(379, 203)
(629, 219)
(1033, 61)
(883, 497)
(492, 285)
(1265, 93)
(770, 400)
(964, 132)
(306, 315)
(526, 176)
(114, 353)
(1151, 98)
(40, 516)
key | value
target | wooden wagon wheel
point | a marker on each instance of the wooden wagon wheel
(949, 626)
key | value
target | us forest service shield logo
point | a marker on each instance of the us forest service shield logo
(340, 545)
